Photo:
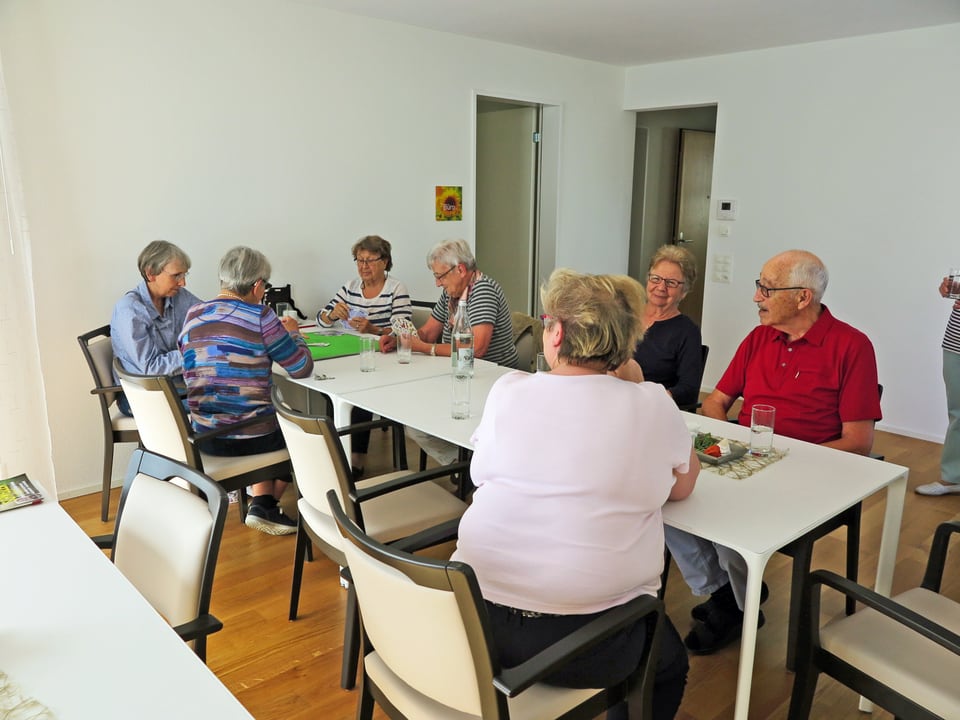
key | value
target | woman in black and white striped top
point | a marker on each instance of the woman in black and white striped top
(368, 303)
(950, 459)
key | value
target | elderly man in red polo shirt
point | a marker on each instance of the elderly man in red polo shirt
(821, 375)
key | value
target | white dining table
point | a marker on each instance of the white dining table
(755, 516)
(758, 515)
(338, 378)
(78, 638)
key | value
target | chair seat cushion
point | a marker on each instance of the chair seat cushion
(539, 701)
(121, 422)
(222, 467)
(407, 511)
(898, 657)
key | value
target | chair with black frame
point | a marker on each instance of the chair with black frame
(117, 427)
(903, 653)
(166, 541)
(704, 352)
(165, 428)
(390, 506)
(406, 598)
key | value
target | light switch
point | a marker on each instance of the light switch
(722, 268)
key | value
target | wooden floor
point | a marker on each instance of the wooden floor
(283, 670)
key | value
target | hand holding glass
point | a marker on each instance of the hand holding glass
(953, 284)
(761, 429)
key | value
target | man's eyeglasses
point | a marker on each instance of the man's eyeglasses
(765, 291)
(670, 283)
(177, 277)
(442, 275)
(367, 261)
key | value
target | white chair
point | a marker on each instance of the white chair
(167, 539)
(428, 650)
(117, 427)
(165, 429)
(903, 653)
(390, 507)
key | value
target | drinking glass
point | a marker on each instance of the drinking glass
(460, 396)
(404, 348)
(542, 364)
(283, 308)
(368, 353)
(954, 276)
(761, 429)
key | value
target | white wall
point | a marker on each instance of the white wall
(851, 149)
(270, 123)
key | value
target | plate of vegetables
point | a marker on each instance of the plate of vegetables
(716, 451)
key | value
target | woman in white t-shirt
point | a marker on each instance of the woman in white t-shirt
(572, 468)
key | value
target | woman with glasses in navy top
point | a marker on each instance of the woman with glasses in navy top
(671, 353)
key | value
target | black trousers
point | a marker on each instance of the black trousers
(519, 638)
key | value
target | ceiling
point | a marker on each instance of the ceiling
(638, 32)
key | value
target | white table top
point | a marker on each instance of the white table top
(425, 404)
(805, 488)
(77, 637)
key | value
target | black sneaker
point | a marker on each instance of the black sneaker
(271, 521)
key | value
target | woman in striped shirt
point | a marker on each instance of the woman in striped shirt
(950, 458)
(368, 304)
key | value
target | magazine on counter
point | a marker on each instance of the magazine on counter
(18, 492)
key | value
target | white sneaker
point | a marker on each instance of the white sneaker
(937, 488)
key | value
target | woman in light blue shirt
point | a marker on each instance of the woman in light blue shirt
(147, 320)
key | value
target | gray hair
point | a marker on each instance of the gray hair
(240, 269)
(155, 257)
(808, 271)
(452, 252)
(682, 258)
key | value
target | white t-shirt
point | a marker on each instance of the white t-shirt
(571, 474)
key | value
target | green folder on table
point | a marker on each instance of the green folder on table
(330, 346)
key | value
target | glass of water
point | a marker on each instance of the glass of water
(761, 429)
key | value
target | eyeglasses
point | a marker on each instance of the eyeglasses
(765, 291)
(656, 280)
(545, 319)
(442, 275)
(367, 261)
(177, 277)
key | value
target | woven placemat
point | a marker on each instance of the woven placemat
(14, 706)
(742, 468)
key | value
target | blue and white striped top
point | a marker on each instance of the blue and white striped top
(951, 338)
(392, 302)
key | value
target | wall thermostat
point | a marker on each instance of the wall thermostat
(726, 209)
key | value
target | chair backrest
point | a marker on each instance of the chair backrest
(317, 456)
(704, 352)
(421, 312)
(167, 538)
(98, 352)
(423, 617)
(527, 338)
(161, 418)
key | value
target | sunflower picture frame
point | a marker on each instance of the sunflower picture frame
(449, 203)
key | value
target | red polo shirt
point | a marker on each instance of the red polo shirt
(816, 383)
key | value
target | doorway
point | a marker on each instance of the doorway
(516, 159)
(656, 196)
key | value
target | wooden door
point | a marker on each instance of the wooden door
(694, 175)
